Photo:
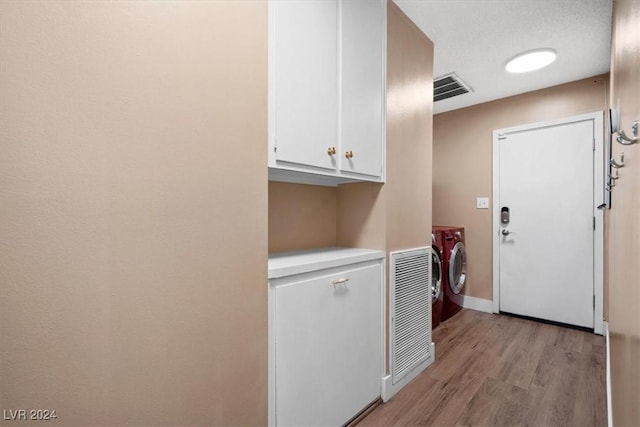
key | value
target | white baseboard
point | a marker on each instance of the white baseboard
(389, 389)
(478, 304)
(609, 404)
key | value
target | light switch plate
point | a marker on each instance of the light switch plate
(482, 203)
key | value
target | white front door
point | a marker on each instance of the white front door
(544, 211)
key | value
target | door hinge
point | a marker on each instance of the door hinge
(594, 144)
(594, 222)
(501, 137)
(594, 301)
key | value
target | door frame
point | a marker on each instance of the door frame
(598, 198)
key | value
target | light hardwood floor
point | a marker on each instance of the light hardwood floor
(494, 370)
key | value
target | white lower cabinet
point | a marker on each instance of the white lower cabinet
(326, 342)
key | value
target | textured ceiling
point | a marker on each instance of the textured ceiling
(475, 38)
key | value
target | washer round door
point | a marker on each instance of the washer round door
(457, 268)
(436, 274)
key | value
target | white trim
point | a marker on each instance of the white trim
(598, 274)
(305, 177)
(598, 234)
(496, 222)
(389, 389)
(271, 349)
(478, 304)
(609, 403)
(271, 84)
(338, 135)
(383, 176)
(383, 323)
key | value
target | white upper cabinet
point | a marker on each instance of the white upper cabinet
(363, 85)
(326, 90)
(306, 96)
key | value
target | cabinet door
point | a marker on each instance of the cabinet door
(305, 51)
(328, 347)
(363, 85)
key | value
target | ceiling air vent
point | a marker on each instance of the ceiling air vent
(449, 86)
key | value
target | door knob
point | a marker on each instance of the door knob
(331, 151)
(506, 232)
(348, 154)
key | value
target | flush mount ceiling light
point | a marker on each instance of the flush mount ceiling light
(531, 60)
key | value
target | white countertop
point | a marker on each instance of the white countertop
(284, 264)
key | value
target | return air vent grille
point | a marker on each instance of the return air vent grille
(449, 86)
(410, 278)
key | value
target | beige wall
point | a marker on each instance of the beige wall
(409, 133)
(362, 216)
(133, 209)
(624, 232)
(462, 146)
(397, 215)
(301, 216)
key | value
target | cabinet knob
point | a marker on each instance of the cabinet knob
(349, 154)
(331, 151)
